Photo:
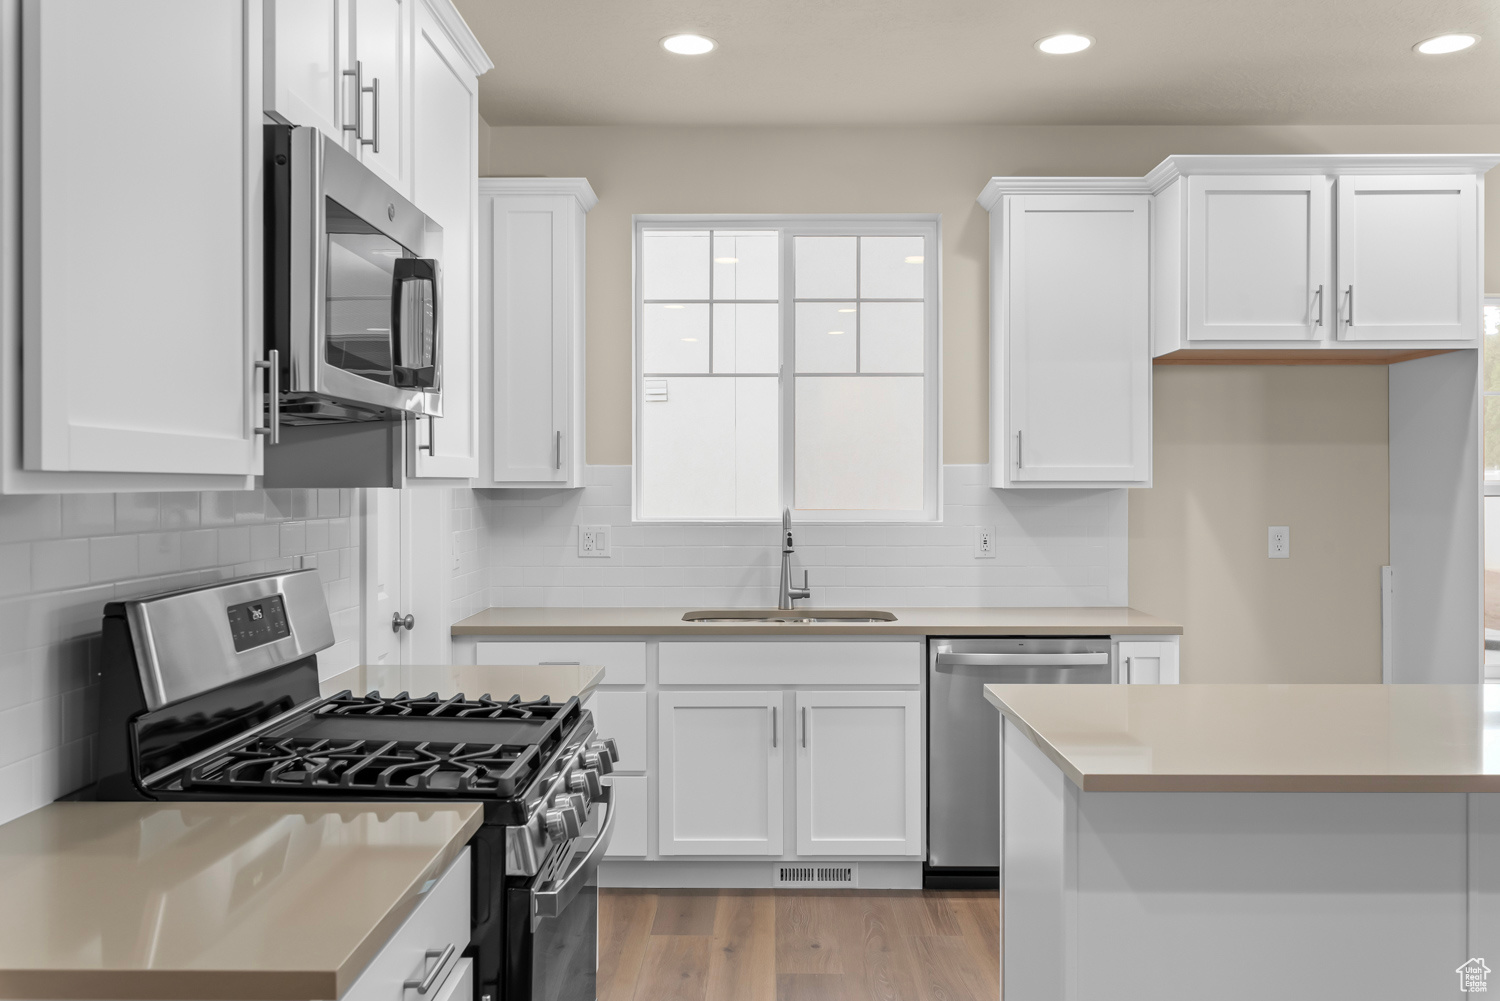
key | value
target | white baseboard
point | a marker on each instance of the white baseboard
(759, 874)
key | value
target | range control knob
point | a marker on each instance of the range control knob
(601, 756)
(562, 823)
(585, 781)
(580, 805)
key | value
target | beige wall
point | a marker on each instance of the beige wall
(940, 169)
(1240, 448)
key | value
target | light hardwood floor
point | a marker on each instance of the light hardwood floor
(788, 945)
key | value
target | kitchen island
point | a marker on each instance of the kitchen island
(1248, 841)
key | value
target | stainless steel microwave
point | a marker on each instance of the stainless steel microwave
(353, 289)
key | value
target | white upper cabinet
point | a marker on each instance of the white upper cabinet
(1317, 252)
(306, 47)
(141, 291)
(381, 31)
(1408, 257)
(1070, 337)
(445, 171)
(532, 330)
(1258, 257)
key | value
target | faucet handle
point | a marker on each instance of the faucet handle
(804, 580)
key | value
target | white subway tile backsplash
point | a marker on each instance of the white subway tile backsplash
(1053, 547)
(128, 545)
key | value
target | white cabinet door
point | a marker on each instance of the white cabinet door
(445, 170)
(141, 289)
(1408, 258)
(381, 32)
(1258, 258)
(305, 52)
(719, 764)
(859, 773)
(622, 715)
(535, 337)
(1078, 354)
(1148, 663)
(422, 941)
(630, 838)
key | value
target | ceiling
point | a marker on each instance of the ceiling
(886, 62)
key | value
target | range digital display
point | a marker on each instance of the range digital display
(256, 623)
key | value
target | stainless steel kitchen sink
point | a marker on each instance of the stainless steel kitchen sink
(788, 615)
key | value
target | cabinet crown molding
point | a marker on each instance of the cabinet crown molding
(1180, 165)
(578, 187)
(461, 35)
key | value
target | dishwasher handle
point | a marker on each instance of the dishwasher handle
(1020, 659)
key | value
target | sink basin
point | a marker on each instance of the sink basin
(788, 615)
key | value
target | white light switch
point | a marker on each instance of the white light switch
(1279, 542)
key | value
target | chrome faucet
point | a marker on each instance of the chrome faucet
(789, 593)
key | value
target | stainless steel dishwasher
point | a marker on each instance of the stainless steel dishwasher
(963, 735)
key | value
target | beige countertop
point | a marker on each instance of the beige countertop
(1263, 738)
(530, 681)
(212, 900)
(909, 622)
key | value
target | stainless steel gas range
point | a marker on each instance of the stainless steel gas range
(212, 693)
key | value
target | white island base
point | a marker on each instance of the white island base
(1160, 896)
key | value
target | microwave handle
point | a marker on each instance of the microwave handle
(407, 270)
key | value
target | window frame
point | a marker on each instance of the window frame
(788, 227)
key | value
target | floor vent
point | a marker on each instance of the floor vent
(817, 875)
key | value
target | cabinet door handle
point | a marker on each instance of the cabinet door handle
(374, 91)
(773, 726)
(1125, 671)
(431, 447)
(558, 459)
(425, 984)
(272, 365)
(1018, 450)
(358, 128)
(1349, 316)
(804, 726)
(1319, 293)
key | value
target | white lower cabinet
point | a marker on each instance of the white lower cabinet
(622, 715)
(859, 773)
(426, 949)
(1148, 663)
(720, 773)
(631, 826)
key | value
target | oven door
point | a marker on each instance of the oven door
(552, 921)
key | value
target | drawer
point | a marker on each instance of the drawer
(630, 825)
(622, 715)
(623, 663)
(773, 663)
(440, 920)
(459, 985)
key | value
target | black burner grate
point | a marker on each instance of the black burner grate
(374, 767)
(484, 707)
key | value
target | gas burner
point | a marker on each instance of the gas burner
(404, 704)
(389, 767)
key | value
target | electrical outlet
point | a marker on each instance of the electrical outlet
(984, 542)
(1279, 542)
(593, 541)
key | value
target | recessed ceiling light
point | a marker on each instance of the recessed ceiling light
(1442, 45)
(726, 260)
(849, 310)
(691, 340)
(1065, 44)
(914, 260)
(688, 45)
(674, 305)
(835, 333)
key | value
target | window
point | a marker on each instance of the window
(786, 362)
(1491, 404)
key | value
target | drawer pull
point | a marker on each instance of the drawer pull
(425, 984)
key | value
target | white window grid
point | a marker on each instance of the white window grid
(788, 228)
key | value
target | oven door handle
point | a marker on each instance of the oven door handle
(551, 901)
(1020, 659)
